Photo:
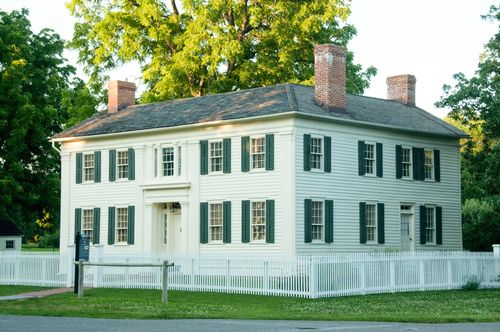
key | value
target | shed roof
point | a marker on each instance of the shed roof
(8, 228)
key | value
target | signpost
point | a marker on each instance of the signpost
(81, 253)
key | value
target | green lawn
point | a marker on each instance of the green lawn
(35, 247)
(12, 290)
(428, 307)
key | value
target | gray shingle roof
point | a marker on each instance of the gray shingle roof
(271, 100)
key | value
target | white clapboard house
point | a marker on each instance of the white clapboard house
(279, 170)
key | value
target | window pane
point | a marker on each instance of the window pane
(122, 164)
(88, 167)
(317, 220)
(371, 222)
(215, 222)
(87, 222)
(316, 153)
(369, 158)
(258, 152)
(428, 165)
(430, 229)
(258, 221)
(406, 161)
(168, 161)
(121, 224)
(216, 156)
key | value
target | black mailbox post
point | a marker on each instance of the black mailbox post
(82, 244)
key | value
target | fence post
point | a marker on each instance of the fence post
(421, 274)
(313, 279)
(266, 277)
(228, 274)
(450, 275)
(192, 277)
(362, 277)
(98, 249)
(81, 276)
(70, 268)
(164, 297)
(392, 271)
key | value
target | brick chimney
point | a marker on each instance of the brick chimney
(121, 94)
(402, 88)
(330, 77)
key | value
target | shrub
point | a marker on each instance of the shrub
(472, 283)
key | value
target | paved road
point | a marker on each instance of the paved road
(64, 324)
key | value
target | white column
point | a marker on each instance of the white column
(147, 228)
(65, 237)
(288, 223)
(185, 230)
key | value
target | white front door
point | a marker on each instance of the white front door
(407, 227)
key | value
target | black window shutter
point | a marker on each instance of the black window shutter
(131, 225)
(328, 154)
(423, 224)
(226, 155)
(269, 152)
(203, 157)
(307, 152)
(421, 158)
(380, 223)
(226, 223)
(328, 221)
(361, 157)
(362, 222)
(439, 225)
(245, 153)
(79, 167)
(97, 166)
(111, 225)
(96, 226)
(399, 162)
(131, 164)
(380, 160)
(437, 166)
(416, 163)
(78, 221)
(307, 221)
(270, 221)
(112, 165)
(204, 222)
(245, 221)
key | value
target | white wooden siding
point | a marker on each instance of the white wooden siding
(347, 188)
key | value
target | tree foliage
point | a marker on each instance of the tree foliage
(32, 76)
(201, 47)
(475, 107)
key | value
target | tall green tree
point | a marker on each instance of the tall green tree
(33, 74)
(475, 107)
(192, 47)
(78, 103)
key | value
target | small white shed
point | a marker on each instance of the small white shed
(10, 235)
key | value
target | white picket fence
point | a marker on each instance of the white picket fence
(310, 276)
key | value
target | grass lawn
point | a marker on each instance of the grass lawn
(12, 290)
(35, 247)
(428, 307)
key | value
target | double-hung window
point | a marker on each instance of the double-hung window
(317, 221)
(122, 164)
(168, 161)
(121, 225)
(9, 244)
(88, 167)
(429, 164)
(258, 153)
(430, 225)
(369, 158)
(87, 222)
(406, 163)
(215, 222)
(215, 158)
(258, 221)
(316, 153)
(371, 222)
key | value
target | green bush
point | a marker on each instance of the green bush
(472, 283)
(49, 240)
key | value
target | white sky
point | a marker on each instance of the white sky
(431, 39)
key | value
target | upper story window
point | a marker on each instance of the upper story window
(369, 158)
(87, 222)
(215, 222)
(121, 225)
(122, 164)
(317, 221)
(88, 167)
(429, 164)
(168, 161)
(258, 153)
(430, 225)
(371, 222)
(316, 153)
(258, 221)
(215, 159)
(406, 162)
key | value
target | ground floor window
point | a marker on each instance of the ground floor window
(121, 225)
(430, 227)
(258, 221)
(9, 244)
(87, 222)
(317, 220)
(371, 222)
(215, 222)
